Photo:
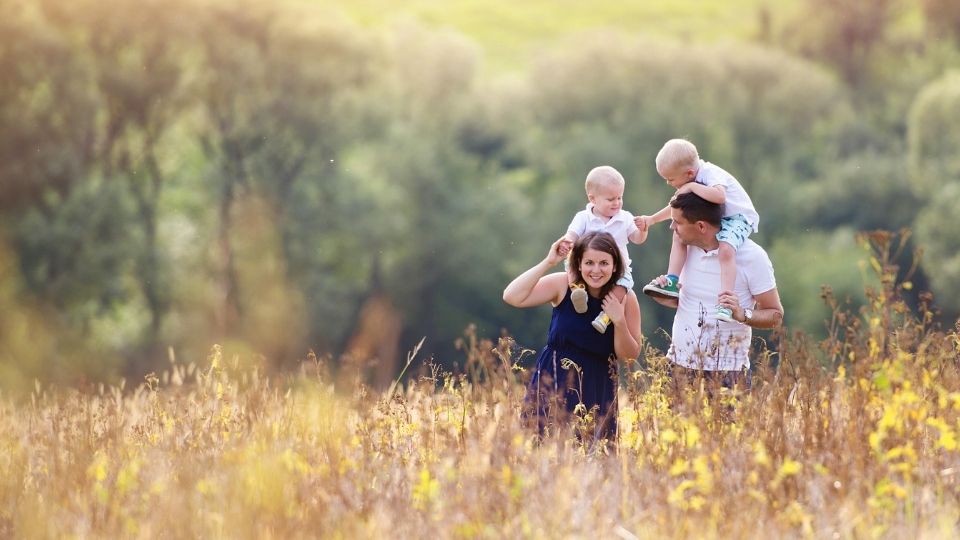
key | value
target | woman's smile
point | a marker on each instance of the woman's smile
(596, 267)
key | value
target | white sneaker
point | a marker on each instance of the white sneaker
(601, 323)
(579, 298)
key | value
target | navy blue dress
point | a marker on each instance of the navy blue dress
(572, 337)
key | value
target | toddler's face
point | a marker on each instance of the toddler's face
(607, 200)
(678, 176)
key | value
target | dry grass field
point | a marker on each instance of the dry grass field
(853, 437)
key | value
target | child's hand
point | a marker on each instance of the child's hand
(564, 246)
(643, 222)
(557, 251)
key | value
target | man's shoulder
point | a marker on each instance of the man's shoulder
(751, 257)
(751, 251)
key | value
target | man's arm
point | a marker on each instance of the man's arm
(768, 312)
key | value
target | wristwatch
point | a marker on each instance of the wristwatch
(747, 315)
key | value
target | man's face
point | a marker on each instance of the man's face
(688, 232)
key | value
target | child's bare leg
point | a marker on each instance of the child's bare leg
(728, 267)
(728, 277)
(620, 292)
(669, 287)
(678, 256)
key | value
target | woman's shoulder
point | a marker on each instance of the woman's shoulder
(559, 283)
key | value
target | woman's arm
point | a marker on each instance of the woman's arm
(625, 317)
(533, 288)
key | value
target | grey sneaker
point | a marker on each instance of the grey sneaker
(725, 314)
(579, 298)
(601, 323)
(671, 289)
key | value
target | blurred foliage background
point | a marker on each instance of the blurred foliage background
(348, 177)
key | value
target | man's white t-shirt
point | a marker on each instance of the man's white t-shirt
(738, 201)
(620, 227)
(698, 340)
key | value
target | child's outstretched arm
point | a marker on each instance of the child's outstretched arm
(645, 222)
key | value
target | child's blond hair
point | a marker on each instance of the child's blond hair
(604, 175)
(677, 153)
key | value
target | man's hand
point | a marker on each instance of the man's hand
(730, 301)
(668, 301)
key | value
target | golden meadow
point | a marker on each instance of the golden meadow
(851, 437)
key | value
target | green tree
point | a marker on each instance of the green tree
(845, 34)
(941, 245)
(278, 94)
(134, 59)
(444, 214)
(943, 17)
(865, 191)
(933, 136)
(826, 260)
(46, 109)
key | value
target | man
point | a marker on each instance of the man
(701, 345)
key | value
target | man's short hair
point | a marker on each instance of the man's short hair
(695, 208)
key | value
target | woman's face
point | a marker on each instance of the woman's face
(596, 268)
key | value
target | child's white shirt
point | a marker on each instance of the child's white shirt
(620, 226)
(738, 201)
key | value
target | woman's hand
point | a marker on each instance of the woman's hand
(534, 287)
(613, 308)
(559, 250)
(625, 316)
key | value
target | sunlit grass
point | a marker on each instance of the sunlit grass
(852, 437)
(511, 33)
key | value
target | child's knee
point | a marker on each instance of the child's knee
(620, 292)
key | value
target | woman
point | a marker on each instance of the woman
(595, 263)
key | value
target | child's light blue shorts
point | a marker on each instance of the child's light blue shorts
(734, 230)
(627, 280)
